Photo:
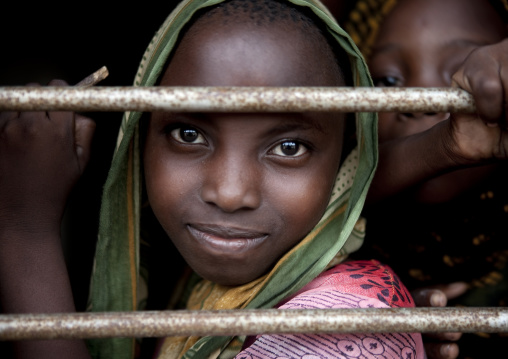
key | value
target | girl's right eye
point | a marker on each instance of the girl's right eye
(187, 135)
(387, 81)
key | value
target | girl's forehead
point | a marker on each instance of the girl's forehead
(243, 53)
(451, 13)
(439, 23)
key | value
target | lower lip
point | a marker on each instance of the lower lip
(225, 245)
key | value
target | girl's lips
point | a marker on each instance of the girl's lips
(226, 239)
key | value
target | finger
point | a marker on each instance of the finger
(486, 88)
(488, 96)
(438, 296)
(64, 124)
(480, 76)
(26, 123)
(57, 82)
(6, 117)
(30, 116)
(441, 351)
(62, 118)
(84, 131)
(454, 290)
(428, 297)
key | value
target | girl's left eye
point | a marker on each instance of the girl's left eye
(187, 135)
(289, 149)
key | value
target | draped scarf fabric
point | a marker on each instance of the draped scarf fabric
(116, 281)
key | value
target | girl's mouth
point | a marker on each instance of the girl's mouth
(226, 239)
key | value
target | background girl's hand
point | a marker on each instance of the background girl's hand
(439, 345)
(484, 74)
(42, 155)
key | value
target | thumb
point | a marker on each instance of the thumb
(84, 130)
(460, 80)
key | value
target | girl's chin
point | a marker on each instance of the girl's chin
(229, 277)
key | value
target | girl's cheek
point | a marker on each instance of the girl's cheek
(306, 197)
(387, 127)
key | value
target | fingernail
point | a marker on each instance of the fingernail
(437, 300)
(445, 350)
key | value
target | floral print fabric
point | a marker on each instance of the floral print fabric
(356, 284)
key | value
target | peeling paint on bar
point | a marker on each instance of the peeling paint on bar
(236, 99)
(251, 322)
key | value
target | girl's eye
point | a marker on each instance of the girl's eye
(289, 149)
(187, 135)
(387, 81)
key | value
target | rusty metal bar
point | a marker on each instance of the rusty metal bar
(251, 322)
(236, 99)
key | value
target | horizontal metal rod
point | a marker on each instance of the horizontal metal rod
(251, 322)
(236, 99)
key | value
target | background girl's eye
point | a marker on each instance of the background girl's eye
(187, 135)
(289, 149)
(387, 81)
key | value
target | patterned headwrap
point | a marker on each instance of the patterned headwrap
(116, 276)
(366, 17)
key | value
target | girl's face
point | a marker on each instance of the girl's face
(421, 43)
(233, 191)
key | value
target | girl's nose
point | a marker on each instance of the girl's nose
(231, 184)
(424, 118)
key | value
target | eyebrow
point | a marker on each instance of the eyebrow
(292, 121)
(385, 48)
(300, 121)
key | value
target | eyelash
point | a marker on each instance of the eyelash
(294, 147)
(387, 81)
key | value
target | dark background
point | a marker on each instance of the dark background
(47, 41)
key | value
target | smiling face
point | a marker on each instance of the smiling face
(234, 192)
(421, 43)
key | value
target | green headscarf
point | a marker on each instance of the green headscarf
(116, 280)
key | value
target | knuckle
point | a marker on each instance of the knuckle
(57, 82)
(489, 86)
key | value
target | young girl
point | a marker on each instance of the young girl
(440, 190)
(260, 206)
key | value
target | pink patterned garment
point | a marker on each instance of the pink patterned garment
(355, 284)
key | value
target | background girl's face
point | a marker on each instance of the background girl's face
(234, 192)
(421, 43)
